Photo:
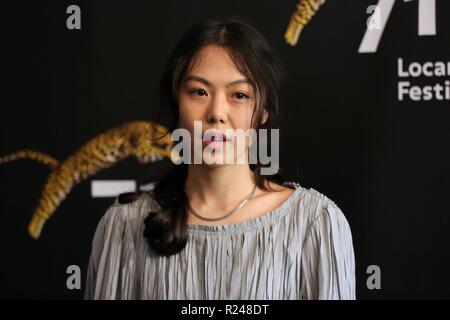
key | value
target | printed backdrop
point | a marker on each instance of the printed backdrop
(365, 122)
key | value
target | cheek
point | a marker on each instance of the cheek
(242, 118)
(187, 116)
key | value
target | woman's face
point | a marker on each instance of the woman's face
(218, 95)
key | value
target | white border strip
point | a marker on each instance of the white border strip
(111, 188)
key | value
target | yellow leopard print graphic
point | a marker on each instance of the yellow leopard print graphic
(33, 155)
(303, 13)
(139, 139)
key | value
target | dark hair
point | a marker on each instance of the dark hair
(167, 229)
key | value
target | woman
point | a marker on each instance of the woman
(222, 230)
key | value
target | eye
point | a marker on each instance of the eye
(241, 96)
(197, 92)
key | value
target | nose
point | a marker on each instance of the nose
(217, 110)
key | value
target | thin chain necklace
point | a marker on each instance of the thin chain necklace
(198, 215)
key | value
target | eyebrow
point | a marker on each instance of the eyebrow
(209, 84)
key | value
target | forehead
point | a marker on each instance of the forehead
(214, 63)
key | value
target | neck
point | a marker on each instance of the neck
(218, 188)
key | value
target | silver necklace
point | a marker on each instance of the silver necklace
(198, 215)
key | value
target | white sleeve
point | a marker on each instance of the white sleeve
(328, 261)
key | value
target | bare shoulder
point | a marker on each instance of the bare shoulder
(278, 189)
(275, 195)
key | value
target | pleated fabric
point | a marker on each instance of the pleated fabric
(301, 250)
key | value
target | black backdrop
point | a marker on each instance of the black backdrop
(384, 162)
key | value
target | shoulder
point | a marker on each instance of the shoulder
(328, 227)
(328, 258)
(129, 208)
(115, 244)
(317, 209)
(122, 224)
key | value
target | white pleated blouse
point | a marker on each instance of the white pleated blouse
(301, 250)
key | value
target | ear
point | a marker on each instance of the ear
(265, 117)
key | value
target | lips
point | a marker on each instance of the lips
(212, 135)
